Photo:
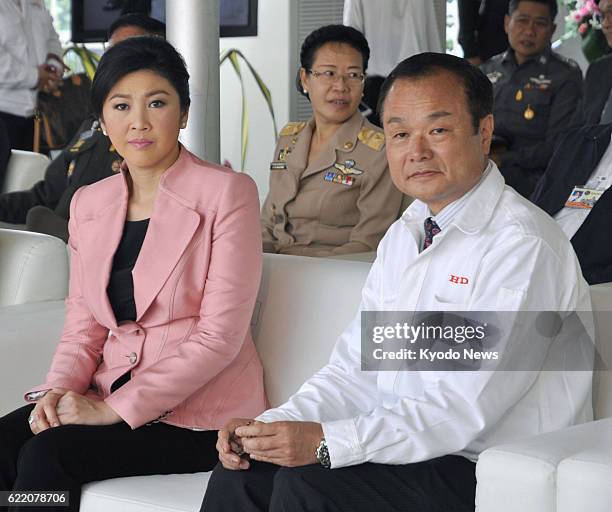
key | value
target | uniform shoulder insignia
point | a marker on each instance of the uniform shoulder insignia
(374, 139)
(565, 60)
(292, 129)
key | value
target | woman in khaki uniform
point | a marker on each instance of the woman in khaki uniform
(330, 189)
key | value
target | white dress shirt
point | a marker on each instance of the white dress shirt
(395, 30)
(511, 255)
(27, 36)
(570, 219)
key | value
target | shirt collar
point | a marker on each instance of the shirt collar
(471, 212)
(447, 215)
(543, 56)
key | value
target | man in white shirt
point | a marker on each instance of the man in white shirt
(395, 30)
(354, 440)
(29, 62)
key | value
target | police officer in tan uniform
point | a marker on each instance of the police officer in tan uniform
(330, 189)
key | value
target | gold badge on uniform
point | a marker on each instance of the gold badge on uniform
(348, 168)
(348, 145)
(71, 168)
(529, 114)
(282, 154)
(519, 95)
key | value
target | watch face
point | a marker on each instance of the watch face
(323, 454)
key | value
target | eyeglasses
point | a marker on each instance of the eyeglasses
(329, 77)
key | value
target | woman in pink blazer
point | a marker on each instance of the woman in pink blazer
(156, 352)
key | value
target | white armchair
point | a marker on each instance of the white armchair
(33, 267)
(565, 471)
(24, 170)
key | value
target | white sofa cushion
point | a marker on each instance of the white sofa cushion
(29, 334)
(24, 169)
(33, 267)
(180, 493)
(584, 479)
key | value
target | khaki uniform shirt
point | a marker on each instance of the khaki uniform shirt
(342, 202)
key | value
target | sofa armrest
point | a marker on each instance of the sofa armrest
(583, 481)
(523, 475)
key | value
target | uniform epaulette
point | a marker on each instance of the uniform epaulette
(374, 139)
(292, 128)
(565, 60)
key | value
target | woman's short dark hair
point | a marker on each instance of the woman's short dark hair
(478, 88)
(332, 34)
(140, 53)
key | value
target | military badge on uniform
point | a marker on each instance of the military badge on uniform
(541, 82)
(282, 154)
(278, 166)
(71, 167)
(348, 168)
(529, 113)
(494, 76)
(342, 179)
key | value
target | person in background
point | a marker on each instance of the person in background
(30, 61)
(89, 157)
(537, 93)
(330, 189)
(575, 190)
(401, 439)
(156, 351)
(481, 29)
(395, 30)
(597, 103)
(5, 152)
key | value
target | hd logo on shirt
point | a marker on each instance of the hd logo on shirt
(458, 279)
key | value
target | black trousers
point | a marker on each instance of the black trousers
(20, 131)
(445, 484)
(65, 457)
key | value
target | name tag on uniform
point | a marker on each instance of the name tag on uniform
(583, 198)
(333, 177)
(278, 166)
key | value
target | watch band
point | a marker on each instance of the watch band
(322, 454)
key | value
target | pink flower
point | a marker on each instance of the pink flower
(583, 28)
(577, 16)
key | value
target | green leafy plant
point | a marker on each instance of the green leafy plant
(79, 57)
(234, 56)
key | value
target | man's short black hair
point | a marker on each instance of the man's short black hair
(552, 6)
(149, 25)
(478, 88)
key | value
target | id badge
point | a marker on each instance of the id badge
(583, 198)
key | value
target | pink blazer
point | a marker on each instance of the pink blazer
(190, 350)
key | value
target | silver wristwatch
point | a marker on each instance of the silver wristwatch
(323, 454)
